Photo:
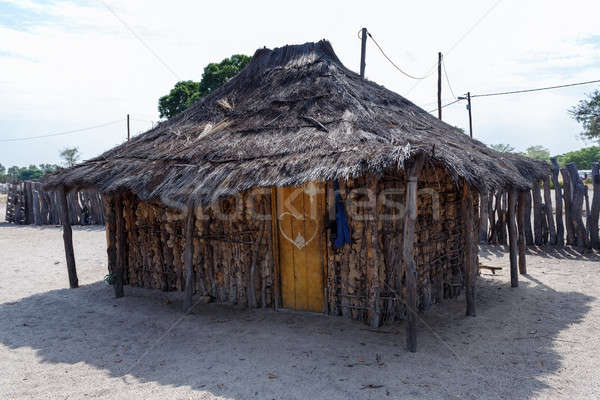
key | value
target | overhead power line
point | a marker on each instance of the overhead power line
(448, 79)
(126, 25)
(534, 90)
(446, 105)
(393, 63)
(464, 35)
(520, 91)
(89, 128)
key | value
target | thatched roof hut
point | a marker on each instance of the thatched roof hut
(295, 114)
(297, 119)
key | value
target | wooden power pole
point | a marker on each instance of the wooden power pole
(470, 119)
(128, 127)
(439, 85)
(363, 51)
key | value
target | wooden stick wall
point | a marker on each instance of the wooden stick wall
(552, 217)
(231, 248)
(28, 204)
(233, 259)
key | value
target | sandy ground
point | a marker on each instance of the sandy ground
(537, 341)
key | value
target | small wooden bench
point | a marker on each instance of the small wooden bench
(493, 269)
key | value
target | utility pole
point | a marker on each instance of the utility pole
(363, 51)
(468, 99)
(470, 120)
(128, 127)
(440, 85)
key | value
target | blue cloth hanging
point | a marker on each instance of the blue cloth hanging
(341, 221)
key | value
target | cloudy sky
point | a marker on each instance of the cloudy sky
(67, 65)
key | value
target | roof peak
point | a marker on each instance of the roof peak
(293, 56)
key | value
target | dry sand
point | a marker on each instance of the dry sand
(534, 342)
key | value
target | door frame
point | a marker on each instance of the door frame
(278, 301)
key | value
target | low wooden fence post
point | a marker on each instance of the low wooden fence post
(512, 237)
(595, 213)
(578, 189)
(558, 200)
(537, 213)
(568, 197)
(549, 213)
(521, 231)
(483, 216)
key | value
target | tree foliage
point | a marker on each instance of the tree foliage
(70, 155)
(587, 113)
(186, 93)
(582, 157)
(539, 153)
(33, 172)
(503, 148)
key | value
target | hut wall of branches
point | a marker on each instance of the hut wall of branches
(235, 247)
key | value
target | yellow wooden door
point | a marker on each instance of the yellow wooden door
(299, 214)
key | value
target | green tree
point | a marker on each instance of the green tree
(582, 157)
(587, 113)
(178, 99)
(47, 168)
(2, 169)
(70, 155)
(13, 171)
(186, 93)
(503, 148)
(30, 173)
(539, 153)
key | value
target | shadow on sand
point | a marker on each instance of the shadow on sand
(502, 353)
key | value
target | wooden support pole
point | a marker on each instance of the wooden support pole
(469, 254)
(512, 237)
(111, 249)
(413, 170)
(119, 271)
(595, 213)
(128, 134)
(549, 213)
(558, 204)
(188, 252)
(521, 201)
(68, 238)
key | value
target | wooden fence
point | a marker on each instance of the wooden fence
(28, 204)
(564, 217)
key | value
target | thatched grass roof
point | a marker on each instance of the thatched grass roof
(294, 114)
